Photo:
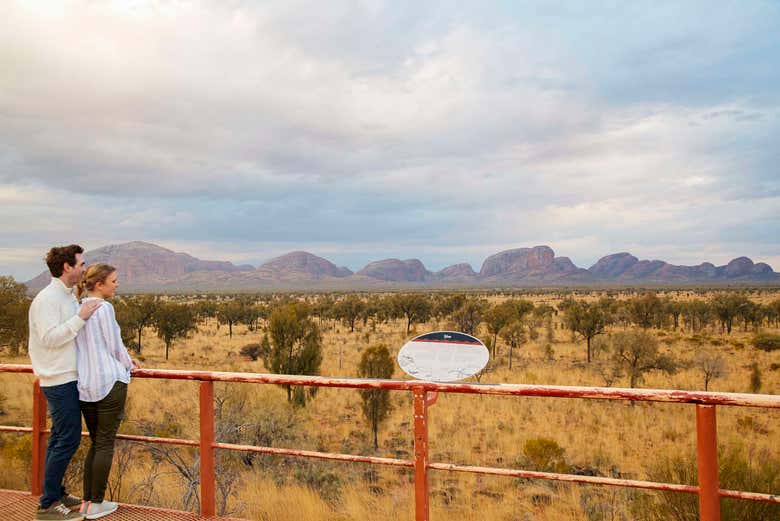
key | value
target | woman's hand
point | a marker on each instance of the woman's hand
(136, 364)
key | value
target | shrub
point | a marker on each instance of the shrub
(545, 455)
(252, 351)
(766, 341)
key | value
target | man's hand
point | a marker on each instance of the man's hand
(136, 364)
(88, 308)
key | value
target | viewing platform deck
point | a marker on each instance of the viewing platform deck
(16, 505)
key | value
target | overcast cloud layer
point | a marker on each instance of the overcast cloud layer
(365, 130)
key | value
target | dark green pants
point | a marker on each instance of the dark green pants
(102, 419)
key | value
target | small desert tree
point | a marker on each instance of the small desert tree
(135, 314)
(445, 306)
(699, 314)
(497, 318)
(232, 312)
(514, 335)
(636, 352)
(469, 315)
(585, 318)
(376, 362)
(413, 307)
(296, 345)
(14, 308)
(644, 310)
(674, 309)
(726, 307)
(349, 310)
(711, 365)
(174, 321)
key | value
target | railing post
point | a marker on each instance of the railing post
(420, 455)
(707, 460)
(38, 439)
(207, 476)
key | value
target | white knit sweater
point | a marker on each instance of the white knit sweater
(54, 324)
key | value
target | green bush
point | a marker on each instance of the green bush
(545, 455)
(766, 341)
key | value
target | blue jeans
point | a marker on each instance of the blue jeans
(63, 401)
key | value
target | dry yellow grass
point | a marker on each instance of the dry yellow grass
(473, 430)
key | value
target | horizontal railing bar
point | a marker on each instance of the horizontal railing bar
(316, 454)
(127, 437)
(550, 391)
(11, 428)
(750, 496)
(597, 480)
(573, 478)
(153, 439)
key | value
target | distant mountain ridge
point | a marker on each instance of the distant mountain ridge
(148, 267)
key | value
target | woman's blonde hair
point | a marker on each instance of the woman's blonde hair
(96, 273)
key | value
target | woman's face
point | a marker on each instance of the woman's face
(108, 287)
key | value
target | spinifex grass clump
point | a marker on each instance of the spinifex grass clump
(766, 341)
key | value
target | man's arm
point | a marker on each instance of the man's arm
(54, 334)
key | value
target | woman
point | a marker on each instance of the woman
(104, 367)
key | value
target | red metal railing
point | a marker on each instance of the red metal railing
(424, 395)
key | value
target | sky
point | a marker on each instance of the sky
(440, 130)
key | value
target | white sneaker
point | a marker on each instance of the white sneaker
(98, 510)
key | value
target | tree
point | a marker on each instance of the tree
(774, 306)
(253, 312)
(712, 366)
(586, 319)
(514, 335)
(636, 352)
(750, 313)
(230, 313)
(349, 310)
(206, 308)
(522, 307)
(726, 307)
(322, 308)
(469, 315)
(496, 318)
(644, 310)
(173, 322)
(447, 305)
(296, 345)
(699, 314)
(414, 307)
(673, 308)
(14, 311)
(135, 314)
(376, 362)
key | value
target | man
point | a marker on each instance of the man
(55, 320)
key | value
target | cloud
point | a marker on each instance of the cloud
(381, 129)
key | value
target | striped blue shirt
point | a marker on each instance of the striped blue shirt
(101, 357)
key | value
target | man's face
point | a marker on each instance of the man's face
(75, 274)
